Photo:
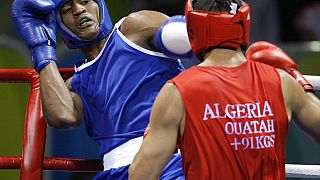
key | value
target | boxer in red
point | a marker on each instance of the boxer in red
(230, 114)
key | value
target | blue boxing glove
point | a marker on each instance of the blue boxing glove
(34, 21)
(172, 38)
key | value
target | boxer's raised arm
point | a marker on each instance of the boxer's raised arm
(305, 105)
(62, 108)
(34, 22)
(297, 90)
(156, 31)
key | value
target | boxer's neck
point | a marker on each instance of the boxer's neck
(224, 57)
(92, 51)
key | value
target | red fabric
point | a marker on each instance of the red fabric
(236, 122)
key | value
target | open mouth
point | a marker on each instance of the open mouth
(84, 21)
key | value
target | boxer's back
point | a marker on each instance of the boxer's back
(236, 122)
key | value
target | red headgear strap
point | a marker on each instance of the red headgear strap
(217, 29)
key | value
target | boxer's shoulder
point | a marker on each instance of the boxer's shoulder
(141, 26)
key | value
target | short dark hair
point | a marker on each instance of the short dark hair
(215, 5)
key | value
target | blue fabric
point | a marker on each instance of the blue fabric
(172, 171)
(113, 174)
(118, 89)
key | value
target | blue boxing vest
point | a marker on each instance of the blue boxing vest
(118, 89)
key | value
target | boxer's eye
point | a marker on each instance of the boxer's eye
(65, 8)
(65, 11)
(85, 2)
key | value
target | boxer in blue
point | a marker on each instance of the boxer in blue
(113, 90)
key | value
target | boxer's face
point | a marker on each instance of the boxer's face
(82, 18)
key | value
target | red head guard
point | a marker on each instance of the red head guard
(217, 29)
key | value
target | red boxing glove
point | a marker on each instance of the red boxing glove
(270, 54)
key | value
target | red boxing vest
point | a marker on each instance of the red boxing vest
(236, 122)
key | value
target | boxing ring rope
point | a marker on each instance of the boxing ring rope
(303, 171)
(32, 162)
(314, 80)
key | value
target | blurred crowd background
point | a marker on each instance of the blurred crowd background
(291, 24)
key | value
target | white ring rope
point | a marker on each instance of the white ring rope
(314, 80)
(303, 171)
